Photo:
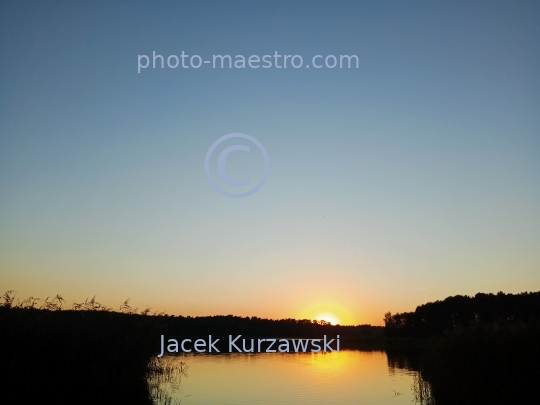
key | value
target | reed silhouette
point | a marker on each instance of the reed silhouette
(50, 352)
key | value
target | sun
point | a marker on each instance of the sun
(328, 317)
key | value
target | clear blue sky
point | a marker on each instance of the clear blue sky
(414, 177)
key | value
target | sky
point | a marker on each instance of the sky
(412, 177)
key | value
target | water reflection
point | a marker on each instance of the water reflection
(346, 377)
(403, 360)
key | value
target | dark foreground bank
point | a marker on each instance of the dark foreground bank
(77, 355)
(479, 350)
(486, 364)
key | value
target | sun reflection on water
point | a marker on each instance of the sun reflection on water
(348, 376)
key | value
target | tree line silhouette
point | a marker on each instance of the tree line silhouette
(260, 327)
(434, 318)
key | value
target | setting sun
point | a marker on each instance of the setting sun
(328, 309)
(328, 318)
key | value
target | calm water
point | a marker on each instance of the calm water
(346, 377)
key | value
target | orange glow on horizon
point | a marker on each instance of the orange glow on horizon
(328, 317)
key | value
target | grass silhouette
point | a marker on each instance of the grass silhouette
(51, 351)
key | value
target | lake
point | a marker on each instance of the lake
(345, 377)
